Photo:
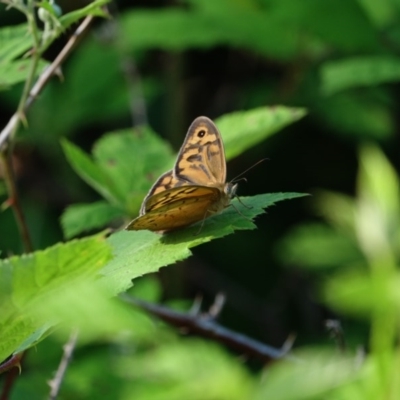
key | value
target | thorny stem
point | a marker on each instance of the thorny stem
(27, 98)
(55, 384)
(6, 153)
(43, 80)
(13, 366)
(206, 326)
(29, 13)
(14, 200)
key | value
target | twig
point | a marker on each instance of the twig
(335, 329)
(204, 325)
(13, 124)
(14, 201)
(137, 102)
(55, 383)
(43, 80)
(216, 308)
(9, 365)
(7, 133)
(196, 306)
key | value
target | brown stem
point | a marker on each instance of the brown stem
(13, 366)
(69, 347)
(205, 325)
(14, 200)
(43, 80)
(5, 156)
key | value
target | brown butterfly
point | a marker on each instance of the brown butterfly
(194, 189)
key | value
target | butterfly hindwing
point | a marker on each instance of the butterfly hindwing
(164, 182)
(180, 207)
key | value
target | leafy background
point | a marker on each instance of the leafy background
(331, 255)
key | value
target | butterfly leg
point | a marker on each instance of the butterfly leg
(244, 205)
(202, 222)
(238, 211)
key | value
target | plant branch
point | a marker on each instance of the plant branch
(9, 365)
(13, 199)
(27, 98)
(335, 329)
(206, 326)
(43, 79)
(55, 383)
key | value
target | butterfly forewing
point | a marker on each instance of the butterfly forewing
(201, 159)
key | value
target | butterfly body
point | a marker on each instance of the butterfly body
(194, 189)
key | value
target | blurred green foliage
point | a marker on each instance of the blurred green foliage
(334, 255)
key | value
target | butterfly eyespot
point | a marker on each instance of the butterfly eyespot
(201, 133)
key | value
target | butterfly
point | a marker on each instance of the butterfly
(194, 189)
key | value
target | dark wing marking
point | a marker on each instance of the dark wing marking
(167, 199)
(165, 182)
(201, 159)
(179, 212)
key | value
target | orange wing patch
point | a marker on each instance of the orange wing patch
(180, 207)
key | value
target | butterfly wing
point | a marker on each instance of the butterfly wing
(164, 182)
(201, 159)
(177, 207)
(194, 189)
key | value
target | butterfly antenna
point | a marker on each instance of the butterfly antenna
(235, 179)
(240, 179)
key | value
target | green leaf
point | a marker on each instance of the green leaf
(244, 129)
(338, 24)
(382, 13)
(359, 71)
(125, 165)
(88, 170)
(17, 71)
(26, 280)
(378, 209)
(177, 29)
(14, 41)
(360, 294)
(132, 160)
(316, 246)
(384, 192)
(85, 305)
(94, 9)
(337, 208)
(142, 252)
(79, 218)
(50, 286)
(317, 373)
(183, 369)
(357, 115)
(35, 338)
(53, 10)
(93, 103)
